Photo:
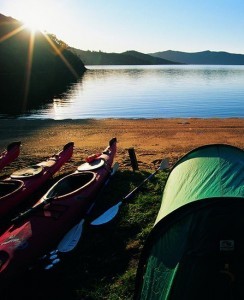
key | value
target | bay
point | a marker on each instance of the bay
(199, 91)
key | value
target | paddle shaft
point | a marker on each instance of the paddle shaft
(140, 185)
(30, 211)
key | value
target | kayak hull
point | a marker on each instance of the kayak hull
(22, 183)
(67, 202)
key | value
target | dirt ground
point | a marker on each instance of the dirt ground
(152, 139)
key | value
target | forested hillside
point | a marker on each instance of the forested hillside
(33, 67)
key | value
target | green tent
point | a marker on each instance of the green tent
(196, 247)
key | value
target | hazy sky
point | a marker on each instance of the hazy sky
(145, 26)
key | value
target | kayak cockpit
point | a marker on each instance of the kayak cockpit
(71, 184)
(9, 186)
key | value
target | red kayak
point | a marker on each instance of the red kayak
(40, 229)
(22, 183)
(10, 154)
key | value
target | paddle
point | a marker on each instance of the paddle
(112, 211)
(31, 210)
(72, 237)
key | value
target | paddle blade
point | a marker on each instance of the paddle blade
(164, 164)
(112, 212)
(107, 216)
(71, 238)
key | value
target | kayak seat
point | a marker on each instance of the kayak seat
(93, 165)
(27, 172)
(71, 183)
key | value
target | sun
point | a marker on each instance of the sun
(35, 15)
(46, 16)
(32, 24)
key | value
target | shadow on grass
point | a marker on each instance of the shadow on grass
(103, 264)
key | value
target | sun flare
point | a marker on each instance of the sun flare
(32, 25)
(33, 20)
(34, 14)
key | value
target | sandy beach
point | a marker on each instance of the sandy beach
(152, 139)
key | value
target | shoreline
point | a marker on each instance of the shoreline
(152, 139)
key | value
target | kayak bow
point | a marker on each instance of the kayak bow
(10, 154)
(40, 229)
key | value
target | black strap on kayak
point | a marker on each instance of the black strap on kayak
(30, 211)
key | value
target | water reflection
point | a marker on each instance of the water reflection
(150, 92)
(41, 100)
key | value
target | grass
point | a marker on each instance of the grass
(104, 263)
(107, 256)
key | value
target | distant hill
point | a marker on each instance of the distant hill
(32, 70)
(125, 58)
(151, 60)
(202, 58)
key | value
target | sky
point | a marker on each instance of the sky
(146, 26)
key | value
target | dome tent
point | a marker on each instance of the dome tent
(196, 247)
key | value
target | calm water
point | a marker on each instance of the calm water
(151, 92)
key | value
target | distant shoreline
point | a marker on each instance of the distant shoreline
(168, 57)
